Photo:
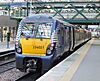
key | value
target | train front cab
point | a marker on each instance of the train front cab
(34, 50)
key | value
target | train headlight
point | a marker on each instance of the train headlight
(51, 48)
(18, 48)
(49, 51)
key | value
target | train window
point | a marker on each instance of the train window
(44, 30)
(37, 30)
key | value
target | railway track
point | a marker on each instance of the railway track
(8, 54)
(4, 52)
(5, 56)
(7, 61)
(7, 66)
(29, 77)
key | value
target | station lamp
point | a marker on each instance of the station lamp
(48, 6)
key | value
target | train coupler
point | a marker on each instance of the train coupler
(31, 65)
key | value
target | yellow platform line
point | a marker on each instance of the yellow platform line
(73, 68)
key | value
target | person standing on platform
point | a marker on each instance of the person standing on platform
(0, 37)
(8, 39)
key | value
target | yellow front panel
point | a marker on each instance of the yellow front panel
(34, 46)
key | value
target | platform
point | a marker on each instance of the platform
(82, 65)
(3, 46)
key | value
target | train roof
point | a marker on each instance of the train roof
(43, 18)
(37, 18)
(64, 22)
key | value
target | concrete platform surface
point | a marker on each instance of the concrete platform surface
(3, 46)
(89, 69)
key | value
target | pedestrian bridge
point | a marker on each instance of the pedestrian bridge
(73, 12)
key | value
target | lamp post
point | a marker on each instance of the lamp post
(30, 13)
(26, 7)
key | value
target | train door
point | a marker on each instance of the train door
(77, 36)
(60, 33)
(67, 38)
(63, 41)
(72, 39)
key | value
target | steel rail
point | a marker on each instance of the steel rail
(7, 66)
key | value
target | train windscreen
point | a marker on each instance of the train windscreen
(36, 30)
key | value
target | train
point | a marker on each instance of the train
(41, 39)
